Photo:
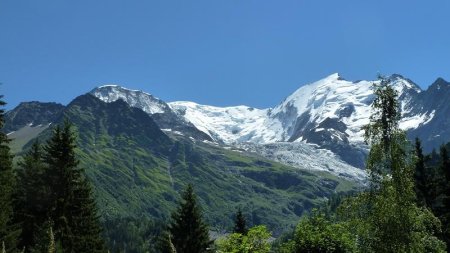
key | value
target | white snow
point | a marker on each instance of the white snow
(304, 156)
(135, 98)
(416, 120)
(228, 124)
(323, 99)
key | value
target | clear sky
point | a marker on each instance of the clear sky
(224, 52)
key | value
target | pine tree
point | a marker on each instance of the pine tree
(32, 196)
(73, 208)
(240, 223)
(421, 177)
(85, 221)
(189, 232)
(61, 173)
(8, 231)
(444, 167)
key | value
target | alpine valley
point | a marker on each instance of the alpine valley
(140, 151)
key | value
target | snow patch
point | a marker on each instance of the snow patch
(135, 98)
(416, 120)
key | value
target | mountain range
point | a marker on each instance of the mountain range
(328, 114)
(139, 151)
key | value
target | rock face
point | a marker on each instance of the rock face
(159, 110)
(32, 113)
(434, 103)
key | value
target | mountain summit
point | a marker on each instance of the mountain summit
(160, 111)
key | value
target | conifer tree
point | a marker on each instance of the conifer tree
(61, 172)
(72, 207)
(32, 196)
(8, 231)
(189, 232)
(84, 220)
(421, 177)
(240, 223)
(444, 167)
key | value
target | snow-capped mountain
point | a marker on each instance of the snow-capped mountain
(331, 99)
(317, 127)
(160, 111)
(135, 98)
(328, 114)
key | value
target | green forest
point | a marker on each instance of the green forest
(48, 203)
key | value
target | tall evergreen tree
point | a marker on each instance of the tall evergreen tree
(444, 167)
(84, 220)
(445, 164)
(72, 207)
(61, 173)
(8, 231)
(421, 177)
(189, 232)
(240, 225)
(31, 202)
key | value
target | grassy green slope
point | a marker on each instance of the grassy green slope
(23, 135)
(138, 170)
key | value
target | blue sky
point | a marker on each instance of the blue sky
(225, 52)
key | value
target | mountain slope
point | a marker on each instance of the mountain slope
(28, 120)
(436, 102)
(160, 111)
(31, 114)
(137, 169)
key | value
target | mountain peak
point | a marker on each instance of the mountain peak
(334, 76)
(396, 76)
(108, 85)
(118, 88)
(136, 98)
(402, 83)
(439, 83)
